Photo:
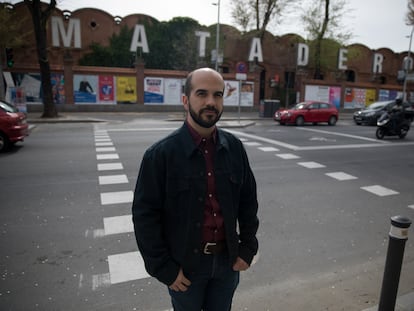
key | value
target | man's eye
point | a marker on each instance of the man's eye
(219, 94)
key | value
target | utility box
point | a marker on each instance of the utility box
(268, 107)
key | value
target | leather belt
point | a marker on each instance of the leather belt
(213, 248)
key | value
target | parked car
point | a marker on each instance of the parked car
(13, 125)
(308, 112)
(370, 114)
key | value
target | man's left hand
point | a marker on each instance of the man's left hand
(240, 265)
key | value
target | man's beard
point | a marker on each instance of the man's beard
(211, 119)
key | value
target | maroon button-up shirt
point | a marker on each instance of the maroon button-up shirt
(213, 223)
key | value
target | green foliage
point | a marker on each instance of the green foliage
(173, 46)
(116, 55)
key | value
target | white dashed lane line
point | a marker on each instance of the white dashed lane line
(340, 176)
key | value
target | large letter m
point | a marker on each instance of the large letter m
(73, 31)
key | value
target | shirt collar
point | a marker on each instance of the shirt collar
(197, 137)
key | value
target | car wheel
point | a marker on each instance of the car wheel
(380, 133)
(4, 142)
(332, 120)
(300, 121)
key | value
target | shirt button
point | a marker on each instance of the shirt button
(210, 195)
(205, 151)
(214, 214)
(209, 174)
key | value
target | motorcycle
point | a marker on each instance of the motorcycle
(389, 126)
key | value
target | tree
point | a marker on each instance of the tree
(40, 13)
(322, 20)
(117, 54)
(410, 14)
(257, 14)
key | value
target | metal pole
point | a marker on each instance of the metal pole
(407, 67)
(218, 34)
(398, 235)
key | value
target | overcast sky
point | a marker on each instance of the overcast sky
(375, 23)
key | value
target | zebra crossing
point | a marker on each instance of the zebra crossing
(126, 266)
(129, 266)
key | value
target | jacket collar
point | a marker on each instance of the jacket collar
(190, 147)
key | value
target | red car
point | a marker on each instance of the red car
(13, 125)
(308, 112)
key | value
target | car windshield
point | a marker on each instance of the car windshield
(378, 105)
(7, 107)
(299, 106)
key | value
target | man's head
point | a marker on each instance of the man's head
(203, 98)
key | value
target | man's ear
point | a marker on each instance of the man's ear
(185, 102)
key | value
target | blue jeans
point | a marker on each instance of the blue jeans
(212, 286)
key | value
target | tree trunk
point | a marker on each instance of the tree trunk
(318, 74)
(40, 19)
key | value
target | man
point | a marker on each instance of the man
(195, 204)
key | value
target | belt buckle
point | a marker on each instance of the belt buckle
(208, 244)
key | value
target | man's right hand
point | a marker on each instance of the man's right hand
(181, 283)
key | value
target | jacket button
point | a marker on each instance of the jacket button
(195, 250)
(198, 225)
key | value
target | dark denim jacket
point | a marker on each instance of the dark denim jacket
(169, 202)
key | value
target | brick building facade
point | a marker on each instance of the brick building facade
(278, 67)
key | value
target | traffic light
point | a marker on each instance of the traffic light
(9, 57)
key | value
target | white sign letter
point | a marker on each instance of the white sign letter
(202, 42)
(342, 59)
(58, 28)
(139, 39)
(256, 50)
(377, 63)
(303, 54)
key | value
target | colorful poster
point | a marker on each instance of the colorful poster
(356, 98)
(106, 90)
(85, 87)
(126, 89)
(231, 93)
(385, 95)
(153, 90)
(247, 94)
(58, 88)
(335, 96)
(173, 89)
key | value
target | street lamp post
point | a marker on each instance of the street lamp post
(407, 65)
(217, 33)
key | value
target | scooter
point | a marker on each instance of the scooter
(386, 126)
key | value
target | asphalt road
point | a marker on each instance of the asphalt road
(326, 196)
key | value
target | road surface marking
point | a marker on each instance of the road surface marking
(267, 149)
(287, 156)
(251, 143)
(110, 166)
(341, 176)
(116, 197)
(311, 164)
(107, 156)
(113, 179)
(379, 190)
(105, 149)
(126, 267)
(104, 144)
(118, 224)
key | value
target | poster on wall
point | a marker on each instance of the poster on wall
(126, 89)
(246, 94)
(356, 98)
(58, 88)
(173, 91)
(231, 93)
(328, 94)
(85, 87)
(153, 90)
(385, 95)
(106, 90)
